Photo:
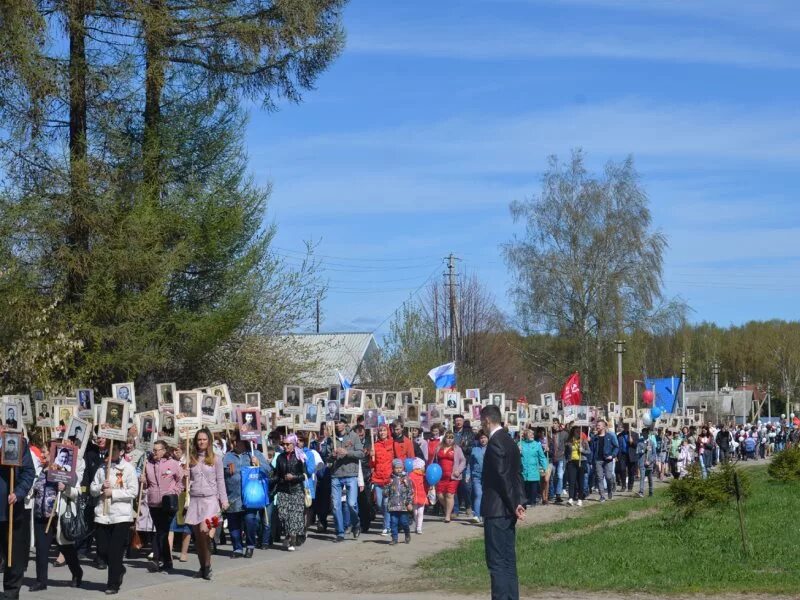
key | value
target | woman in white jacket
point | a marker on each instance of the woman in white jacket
(45, 500)
(114, 514)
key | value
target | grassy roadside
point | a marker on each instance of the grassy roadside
(631, 546)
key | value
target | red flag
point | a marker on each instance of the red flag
(571, 392)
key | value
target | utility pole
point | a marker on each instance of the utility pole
(683, 383)
(317, 314)
(715, 372)
(619, 348)
(769, 402)
(451, 284)
(744, 391)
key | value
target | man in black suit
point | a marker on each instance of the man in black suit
(501, 506)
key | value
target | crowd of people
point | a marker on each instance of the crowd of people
(366, 481)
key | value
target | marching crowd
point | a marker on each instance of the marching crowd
(388, 479)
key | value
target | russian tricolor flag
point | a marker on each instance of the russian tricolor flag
(444, 376)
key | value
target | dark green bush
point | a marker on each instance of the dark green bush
(785, 465)
(693, 494)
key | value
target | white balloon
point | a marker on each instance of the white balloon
(647, 420)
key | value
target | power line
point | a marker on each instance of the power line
(411, 296)
(426, 259)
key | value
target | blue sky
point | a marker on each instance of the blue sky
(439, 114)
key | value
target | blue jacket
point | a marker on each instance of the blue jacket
(23, 482)
(611, 446)
(232, 465)
(475, 462)
(533, 459)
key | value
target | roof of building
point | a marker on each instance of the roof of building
(345, 352)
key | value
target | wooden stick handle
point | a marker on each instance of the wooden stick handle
(139, 506)
(107, 501)
(55, 511)
(9, 554)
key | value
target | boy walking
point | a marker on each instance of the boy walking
(399, 496)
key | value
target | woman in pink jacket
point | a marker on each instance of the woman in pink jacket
(206, 497)
(162, 476)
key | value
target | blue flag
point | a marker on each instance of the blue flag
(666, 391)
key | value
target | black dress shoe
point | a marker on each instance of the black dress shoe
(76, 582)
(248, 553)
(207, 574)
(37, 587)
(356, 533)
(100, 565)
(111, 591)
(152, 567)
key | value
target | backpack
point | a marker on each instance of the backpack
(255, 489)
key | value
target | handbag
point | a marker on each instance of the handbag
(307, 494)
(169, 503)
(74, 526)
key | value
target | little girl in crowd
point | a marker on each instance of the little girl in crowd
(417, 478)
(398, 495)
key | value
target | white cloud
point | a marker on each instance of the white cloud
(499, 41)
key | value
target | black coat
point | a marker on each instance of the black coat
(502, 477)
(289, 464)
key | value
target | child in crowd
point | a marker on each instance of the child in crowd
(417, 478)
(684, 458)
(398, 496)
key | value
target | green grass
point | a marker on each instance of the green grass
(615, 547)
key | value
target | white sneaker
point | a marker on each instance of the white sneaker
(564, 494)
(580, 502)
(570, 502)
(418, 530)
(385, 532)
(476, 519)
(290, 548)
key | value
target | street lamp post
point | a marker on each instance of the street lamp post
(683, 383)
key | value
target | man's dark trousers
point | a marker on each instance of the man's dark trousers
(501, 559)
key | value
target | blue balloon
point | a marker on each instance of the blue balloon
(409, 464)
(655, 412)
(433, 474)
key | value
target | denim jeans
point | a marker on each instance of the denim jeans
(264, 531)
(463, 494)
(246, 520)
(398, 520)
(350, 484)
(557, 478)
(384, 510)
(603, 469)
(477, 494)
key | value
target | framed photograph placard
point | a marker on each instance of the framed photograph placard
(127, 392)
(44, 413)
(166, 393)
(114, 418)
(147, 424)
(209, 406)
(253, 399)
(353, 402)
(12, 449)
(85, 398)
(166, 427)
(498, 400)
(332, 410)
(63, 463)
(249, 421)
(188, 413)
(548, 400)
(12, 419)
(473, 393)
(311, 417)
(78, 433)
(390, 402)
(292, 399)
(417, 395)
(222, 392)
(452, 403)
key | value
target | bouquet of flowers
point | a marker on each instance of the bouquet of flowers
(213, 522)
